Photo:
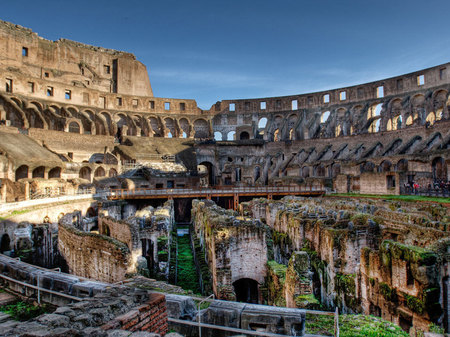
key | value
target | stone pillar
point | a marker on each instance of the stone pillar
(27, 190)
(3, 193)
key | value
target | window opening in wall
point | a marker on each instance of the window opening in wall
(310, 100)
(342, 95)
(46, 74)
(49, 91)
(70, 155)
(82, 71)
(9, 85)
(184, 135)
(24, 51)
(276, 135)
(119, 101)
(390, 181)
(232, 107)
(326, 98)
(30, 87)
(167, 106)
(360, 92)
(151, 104)
(107, 69)
(169, 135)
(135, 102)
(262, 105)
(278, 104)
(231, 135)
(262, 123)
(442, 73)
(68, 94)
(380, 91)
(103, 102)
(182, 106)
(324, 116)
(218, 135)
(294, 104)
(421, 80)
(85, 97)
(399, 84)
(247, 106)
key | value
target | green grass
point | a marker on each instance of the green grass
(186, 273)
(394, 197)
(353, 326)
(23, 311)
(13, 213)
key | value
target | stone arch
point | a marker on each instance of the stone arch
(439, 168)
(185, 127)
(211, 172)
(73, 126)
(256, 173)
(324, 116)
(38, 172)
(218, 136)
(201, 128)
(418, 108)
(231, 135)
(99, 172)
(123, 124)
(54, 173)
(385, 166)
(367, 167)
(244, 135)
(155, 126)
(112, 173)
(402, 165)
(374, 110)
(5, 243)
(21, 172)
(85, 173)
(170, 128)
(106, 116)
(246, 290)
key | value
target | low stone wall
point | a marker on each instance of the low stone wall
(92, 255)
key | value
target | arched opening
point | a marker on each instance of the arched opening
(276, 135)
(201, 129)
(324, 116)
(374, 110)
(22, 172)
(375, 126)
(99, 172)
(367, 167)
(210, 167)
(55, 173)
(231, 135)
(385, 166)
(5, 244)
(439, 169)
(112, 172)
(74, 127)
(409, 120)
(320, 170)
(218, 135)
(335, 170)
(38, 172)
(262, 123)
(402, 165)
(244, 135)
(246, 290)
(305, 172)
(85, 173)
(257, 173)
(238, 174)
(431, 118)
(291, 134)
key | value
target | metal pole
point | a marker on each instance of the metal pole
(199, 316)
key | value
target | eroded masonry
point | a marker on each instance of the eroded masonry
(134, 184)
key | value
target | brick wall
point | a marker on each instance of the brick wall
(150, 316)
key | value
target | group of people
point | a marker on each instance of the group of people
(439, 185)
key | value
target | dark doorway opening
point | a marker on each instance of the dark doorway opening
(183, 208)
(405, 323)
(246, 290)
(147, 253)
(5, 243)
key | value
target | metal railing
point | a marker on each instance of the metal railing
(216, 190)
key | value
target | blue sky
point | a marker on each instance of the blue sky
(214, 50)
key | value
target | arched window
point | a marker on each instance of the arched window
(218, 135)
(262, 123)
(244, 135)
(324, 116)
(74, 127)
(231, 135)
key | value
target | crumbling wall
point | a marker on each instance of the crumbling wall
(235, 246)
(93, 255)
